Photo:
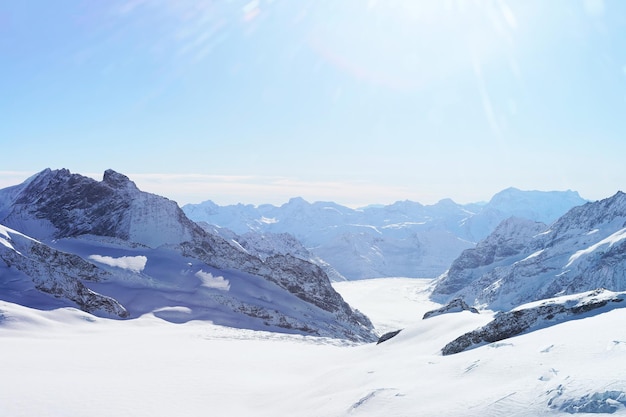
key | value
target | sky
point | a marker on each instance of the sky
(353, 101)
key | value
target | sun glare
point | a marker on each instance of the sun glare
(410, 44)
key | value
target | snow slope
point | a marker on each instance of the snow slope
(68, 363)
(402, 239)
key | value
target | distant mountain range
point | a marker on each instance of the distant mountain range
(112, 250)
(402, 239)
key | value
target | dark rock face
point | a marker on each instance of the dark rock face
(547, 313)
(388, 336)
(73, 204)
(58, 204)
(117, 180)
(455, 306)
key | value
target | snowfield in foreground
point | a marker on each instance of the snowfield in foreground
(68, 363)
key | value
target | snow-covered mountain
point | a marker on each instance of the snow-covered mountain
(524, 261)
(402, 239)
(89, 242)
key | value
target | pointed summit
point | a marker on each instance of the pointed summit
(117, 180)
(59, 204)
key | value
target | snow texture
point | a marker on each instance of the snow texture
(131, 263)
(68, 363)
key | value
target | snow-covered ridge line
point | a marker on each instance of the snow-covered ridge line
(455, 306)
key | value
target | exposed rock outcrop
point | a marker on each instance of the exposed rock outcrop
(537, 315)
(455, 306)
(387, 336)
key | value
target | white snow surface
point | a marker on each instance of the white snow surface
(131, 263)
(68, 363)
(210, 281)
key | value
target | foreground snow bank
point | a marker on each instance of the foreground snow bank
(68, 363)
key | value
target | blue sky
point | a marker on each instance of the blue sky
(355, 101)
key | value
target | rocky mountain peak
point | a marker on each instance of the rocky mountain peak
(117, 180)
(46, 177)
(297, 202)
(57, 204)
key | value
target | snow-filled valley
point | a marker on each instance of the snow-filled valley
(68, 363)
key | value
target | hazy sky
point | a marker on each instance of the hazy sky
(356, 101)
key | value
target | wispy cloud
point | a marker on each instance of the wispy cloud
(232, 189)
(247, 189)
(10, 178)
